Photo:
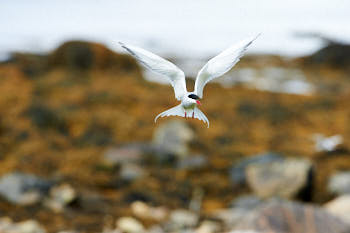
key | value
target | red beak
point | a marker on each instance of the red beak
(198, 102)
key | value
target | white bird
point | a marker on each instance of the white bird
(214, 68)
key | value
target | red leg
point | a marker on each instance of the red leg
(185, 115)
(192, 115)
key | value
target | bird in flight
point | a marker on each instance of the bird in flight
(214, 68)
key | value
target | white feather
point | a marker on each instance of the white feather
(200, 115)
(180, 111)
(161, 66)
(220, 64)
(175, 111)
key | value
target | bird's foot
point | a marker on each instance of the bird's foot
(192, 115)
(185, 115)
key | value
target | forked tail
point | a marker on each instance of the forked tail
(180, 111)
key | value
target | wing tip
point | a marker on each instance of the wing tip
(259, 34)
(158, 116)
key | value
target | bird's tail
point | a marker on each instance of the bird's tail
(180, 111)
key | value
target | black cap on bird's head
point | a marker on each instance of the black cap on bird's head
(193, 96)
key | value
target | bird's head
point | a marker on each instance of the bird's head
(195, 98)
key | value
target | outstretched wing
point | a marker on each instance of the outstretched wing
(161, 66)
(220, 64)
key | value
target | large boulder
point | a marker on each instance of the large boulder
(340, 207)
(339, 183)
(292, 217)
(289, 178)
(240, 208)
(238, 171)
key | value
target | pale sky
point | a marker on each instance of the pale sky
(181, 27)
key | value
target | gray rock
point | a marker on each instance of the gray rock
(289, 178)
(340, 207)
(292, 217)
(193, 162)
(24, 189)
(174, 136)
(131, 172)
(237, 172)
(339, 183)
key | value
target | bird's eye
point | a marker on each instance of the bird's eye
(193, 96)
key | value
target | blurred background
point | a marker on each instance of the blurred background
(79, 151)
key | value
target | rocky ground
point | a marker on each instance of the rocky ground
(80, 152)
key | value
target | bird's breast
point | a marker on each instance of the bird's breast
(188, 104)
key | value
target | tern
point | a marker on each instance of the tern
(214, 68)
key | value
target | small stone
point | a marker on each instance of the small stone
(174, 136)
(144, 211)
(61, 196)
(24, 189)
(140, 209)
(130, 225)
(208, 227)
(285, 178)
(339, 183)
(340, 207)
(327, 144)
(130, 172)
(183, 218)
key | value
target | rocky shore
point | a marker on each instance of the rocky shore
(79, 151)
